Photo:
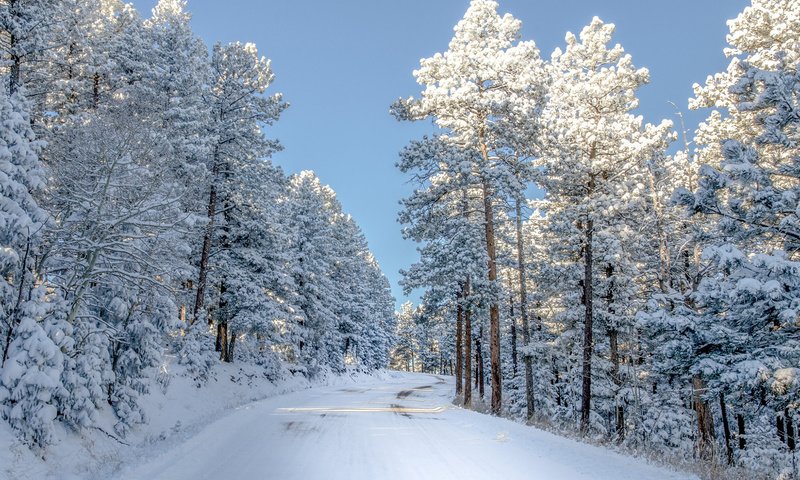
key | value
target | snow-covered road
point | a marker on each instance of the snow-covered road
(401, 428)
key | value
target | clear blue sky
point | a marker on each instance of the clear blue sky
(340, 63)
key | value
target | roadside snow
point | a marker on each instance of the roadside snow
(176, 414)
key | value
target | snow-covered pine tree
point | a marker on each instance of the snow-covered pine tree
(745, 344)
(594, 148)
(32, 28)
(485, 75)
(31, 363)
(259, 291)
(314, 253)
(405, 355)
(443, 215)
(239, 111)
(377, 336)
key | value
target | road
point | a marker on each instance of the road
(402, 428)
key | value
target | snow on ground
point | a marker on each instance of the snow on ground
(177, 413)
(400, 427)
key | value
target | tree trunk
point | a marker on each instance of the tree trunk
(202, 278)
(557, 384)
(467, 350)
(588, 301)
(481, 375)
(613, 341)
(781, 429)
(231, 346)
(96, 90)
(726, 428)
(790, 438)
(663, 251)
(513, 335)
(523, 308)
(459, 352)
(741, 435)
(586, 391)
(14, 69)
(14, 317)
(494, 311)
(705, 421)
(222, 340)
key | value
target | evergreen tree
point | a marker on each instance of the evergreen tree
(594, 148)
(485, 75)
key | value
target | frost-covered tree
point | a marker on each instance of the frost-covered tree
(471, 91)
(406, 350)
(21, 218)
(443, 214)
(259, 291)
(31, 362)
(32, 28)
(239, 110)
(314, 212)
(745, 342)
(594, 149)
(117, 213)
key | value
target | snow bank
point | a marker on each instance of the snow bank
(177, 409)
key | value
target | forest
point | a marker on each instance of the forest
(649, 297)
(632, 285)
(142, 222)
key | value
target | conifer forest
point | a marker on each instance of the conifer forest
(597, 294)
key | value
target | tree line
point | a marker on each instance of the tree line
(650, 296)
(141, 220)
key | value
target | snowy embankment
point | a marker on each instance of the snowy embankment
(389, 426)
(177, 411)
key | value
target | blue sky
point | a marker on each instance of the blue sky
(340, 64)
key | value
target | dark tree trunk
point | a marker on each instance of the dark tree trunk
(13, 74)
(481, 375)
(588, 301)
(619, 409)
(231, 346)
(14, 317)
(467, 351)
(705, 421)
(96, 90)
(586, 390)
(613, 343)
(741, 435)
(790, 438)
(459, 348)
(202, 278)
(523, 307)
(781, 429)
(726, 428)
(494, 311)
(222, 340)
(513, 335)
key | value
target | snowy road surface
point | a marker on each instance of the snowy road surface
(401, 428)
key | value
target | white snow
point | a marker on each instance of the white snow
(176, 414)
(400, 427)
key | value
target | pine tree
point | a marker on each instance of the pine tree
(239, 110)
(484, 75)
(31, 362)
(592, 146)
